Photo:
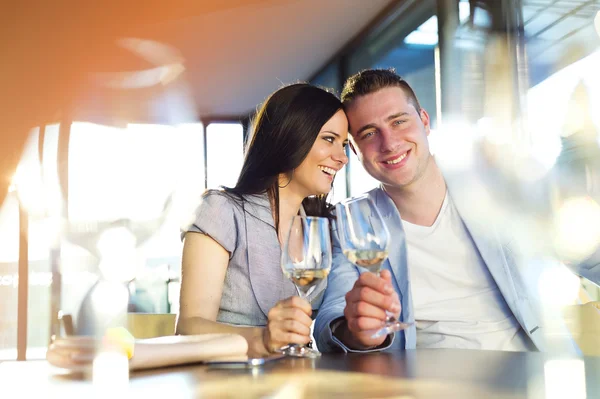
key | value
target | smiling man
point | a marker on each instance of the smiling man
(460, 288)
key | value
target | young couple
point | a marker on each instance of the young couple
(461, 286)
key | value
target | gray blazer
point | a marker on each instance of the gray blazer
(254, 281)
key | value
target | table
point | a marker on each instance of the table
(434, 373)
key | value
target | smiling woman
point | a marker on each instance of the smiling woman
(231, 277)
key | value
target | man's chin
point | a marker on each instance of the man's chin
(394, 184)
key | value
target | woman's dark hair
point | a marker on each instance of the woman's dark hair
(283, 132)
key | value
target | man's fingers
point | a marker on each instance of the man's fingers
(395, 308)
(372, 297)
(361, 324)
(364, 309)
(386, 275)
(371, 280)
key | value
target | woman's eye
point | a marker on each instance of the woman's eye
(329, 138)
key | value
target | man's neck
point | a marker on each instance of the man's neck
(420, 201)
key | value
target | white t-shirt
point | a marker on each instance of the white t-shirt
(457, 303)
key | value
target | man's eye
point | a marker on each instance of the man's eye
(398, 122)
(367, 135)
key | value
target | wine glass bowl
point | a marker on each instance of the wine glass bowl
(363, 235)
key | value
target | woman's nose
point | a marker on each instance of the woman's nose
(341, 156)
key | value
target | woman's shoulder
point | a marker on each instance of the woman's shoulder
(218, 215)
(221, 200)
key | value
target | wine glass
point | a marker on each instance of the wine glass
(306, 260)
(365, 239)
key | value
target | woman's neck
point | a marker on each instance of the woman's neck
(289, 206)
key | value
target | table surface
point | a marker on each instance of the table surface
(411, 374)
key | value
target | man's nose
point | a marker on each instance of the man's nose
(389, 140)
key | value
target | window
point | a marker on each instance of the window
(139, 182)
(329, 78)
(339, 186)
(9, 255)
(28, 191)
(225, 143)
(140, 185)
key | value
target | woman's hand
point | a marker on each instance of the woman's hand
(289, 323)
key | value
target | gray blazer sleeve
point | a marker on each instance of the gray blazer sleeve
(216, 216)
(341, 279)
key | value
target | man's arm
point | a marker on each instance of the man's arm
(340, 280)
(353, 306)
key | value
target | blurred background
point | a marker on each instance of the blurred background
(133, 112)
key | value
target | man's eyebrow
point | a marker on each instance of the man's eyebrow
(365, 127)
(389, 118)
(398, 115)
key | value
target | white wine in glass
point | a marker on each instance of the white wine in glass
(365, 239)
(370, 259)
(306, 261)
(306, 280)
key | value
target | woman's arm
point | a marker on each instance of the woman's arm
(203, 270)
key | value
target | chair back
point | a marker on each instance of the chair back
(151, 325)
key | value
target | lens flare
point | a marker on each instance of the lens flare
(110, 374)
(577, 228)
(558, 286)
(565, 378)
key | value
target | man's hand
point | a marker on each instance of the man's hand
(289, 323)
(365, 311)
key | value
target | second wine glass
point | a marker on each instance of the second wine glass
(306, 260)
(364, 239)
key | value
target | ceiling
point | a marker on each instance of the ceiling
(234, 53)
(229, 54)
(559, 32)
(235, 57)
(224, 60)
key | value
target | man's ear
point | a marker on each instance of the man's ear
(425, 119)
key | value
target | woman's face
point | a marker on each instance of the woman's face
(327, 156)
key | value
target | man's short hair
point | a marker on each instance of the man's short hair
(371, 80)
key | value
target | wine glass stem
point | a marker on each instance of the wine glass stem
(390, 318)
(302, 295)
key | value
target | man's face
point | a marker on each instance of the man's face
(390, 136)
